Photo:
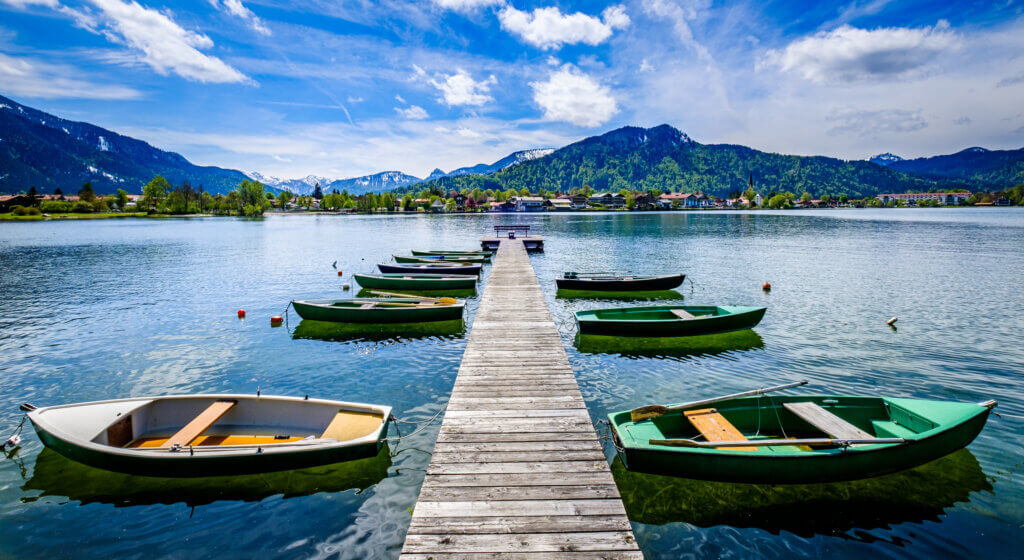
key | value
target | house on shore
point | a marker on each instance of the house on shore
(560, 204)
(911, 199)
(608, 200)
(528, 203)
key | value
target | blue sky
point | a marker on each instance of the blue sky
(343, 88)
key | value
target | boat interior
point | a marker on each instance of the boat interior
(659, 313)
(204, 422)
(785, 418)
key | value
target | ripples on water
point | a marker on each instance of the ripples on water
(110, 309)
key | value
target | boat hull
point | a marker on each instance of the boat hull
(415, 282)
(487, 254)
(468, 269)
(440, 258)
(637, 321)
(323, 310)
(667, 282)
(795, 467)
(81, 432)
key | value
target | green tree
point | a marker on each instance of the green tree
(630, 202)
(806, 197)
(86, 193)
(449, 205)
(843, 198)
(825, 199)
(407, 202)
(155, 191)
(121, 199)
(33, 195)
(283, 199)
(252, 198)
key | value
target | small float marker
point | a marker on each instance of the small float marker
(892, 321)
(241, 314)
(340, 273)
(276, 321)
(767, 286)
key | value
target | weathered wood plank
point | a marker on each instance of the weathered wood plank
(523, 542)
(513, 508)
(532, 524)
(518, 467)
(519, 479)
(598, 555)
(444, 456)
(463, 493)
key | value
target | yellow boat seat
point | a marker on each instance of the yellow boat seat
(350, 424)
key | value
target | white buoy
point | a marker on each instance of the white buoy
(892, 321)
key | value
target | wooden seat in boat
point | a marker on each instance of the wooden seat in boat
(366, 305)
(200, 423)
(349, 424)
(714, 427)
(825, 421)
(682, 313)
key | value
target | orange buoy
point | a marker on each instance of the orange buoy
(767, 286)
(276, 321)
(241, 314)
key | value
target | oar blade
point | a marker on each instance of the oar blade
(647, 412)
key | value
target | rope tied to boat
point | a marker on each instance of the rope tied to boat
(424, 425)
(15, 438)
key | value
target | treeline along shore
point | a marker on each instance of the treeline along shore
(252, 199)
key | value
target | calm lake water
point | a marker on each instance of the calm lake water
(109, 309)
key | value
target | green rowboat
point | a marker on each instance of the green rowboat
(443, 258)
(795, 439)
(370, 310)
(453, 253)
(668, 320)
(416, 282)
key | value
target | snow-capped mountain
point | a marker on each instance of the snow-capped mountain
(507, 161)
(378, 182)
(303, 186)
(885, 159)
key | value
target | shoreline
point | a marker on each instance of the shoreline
(8, 217)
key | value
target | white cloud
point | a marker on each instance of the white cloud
(549, 28)
(461, 89)
(27, 3)
(237, 9)
(399, 98)
(36, 79)
(646, 66)
(351, 99)
(571, 96)
(413, 112)
(158, 41)
(874, 122)
(848, 54)
(467, 5)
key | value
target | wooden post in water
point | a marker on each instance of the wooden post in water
(517, 470)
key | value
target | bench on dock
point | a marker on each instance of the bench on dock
(714, 427)
(200, 423)
(825, 421)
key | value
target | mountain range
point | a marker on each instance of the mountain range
(48, 152)
(390, 180)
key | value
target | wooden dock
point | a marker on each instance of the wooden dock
(517, 471)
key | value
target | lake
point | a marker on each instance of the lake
(118, 308)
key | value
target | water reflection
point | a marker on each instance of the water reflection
(377, 332)
(55, 475)
(673, 347)
(916, 495)
(653, 295)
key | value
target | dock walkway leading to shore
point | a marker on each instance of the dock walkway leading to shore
(517, 470)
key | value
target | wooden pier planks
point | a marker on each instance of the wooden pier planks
(517, 471)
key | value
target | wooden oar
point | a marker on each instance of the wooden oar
(767, 442)
(656, 410)
(444, 300)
